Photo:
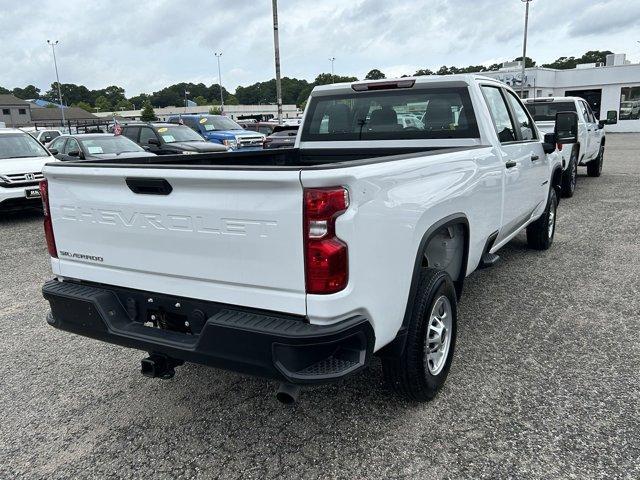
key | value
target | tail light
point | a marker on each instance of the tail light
(326, 259)
(48, 226)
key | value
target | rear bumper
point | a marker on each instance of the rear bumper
(259, 343)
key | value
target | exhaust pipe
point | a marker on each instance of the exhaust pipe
(288, 393)
(159, 366)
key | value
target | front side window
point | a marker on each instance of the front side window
(71, 146)
(146, 134)
(57, 144)
(629, 103)
(523, 121)
(378, 115)
(499, 114)
(20, 145)
(109, 145)
(131, 133)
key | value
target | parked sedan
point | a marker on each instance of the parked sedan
(282, 137)
(95, 146)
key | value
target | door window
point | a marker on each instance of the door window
(71, 146)
(523, 121)
(145, 135)
(57, 144)
(500, 114)
(131, 133)
(590, 115)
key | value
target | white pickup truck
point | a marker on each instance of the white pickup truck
(21, 161)
(300, 264)
(589, 149)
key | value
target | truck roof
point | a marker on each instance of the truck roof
(460, 79)
(550, 99)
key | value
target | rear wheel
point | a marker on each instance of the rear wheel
(570, 175)
(422, 368)
(541, 232)
(594, 167)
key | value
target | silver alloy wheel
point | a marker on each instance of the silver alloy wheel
(438, 340)
(551, 222)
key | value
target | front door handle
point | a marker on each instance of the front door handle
(534, 157)
(510, 164)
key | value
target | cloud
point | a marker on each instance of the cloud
(148, 44)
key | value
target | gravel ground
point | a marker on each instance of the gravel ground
(545, 383)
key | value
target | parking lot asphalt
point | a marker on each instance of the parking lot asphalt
(544, 383)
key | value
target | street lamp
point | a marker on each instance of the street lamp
(276, 48)
(55, 64)
(333, 79)
(218, 55)
(524, 45)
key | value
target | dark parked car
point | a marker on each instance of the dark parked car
(169, 139)
(282, 137)
(262, 127)
(94, 146)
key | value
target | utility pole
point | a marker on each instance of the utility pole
(218, 55)
(276, 44)
(185, 99)
(55, 64)
(524, 46)
(333, 78)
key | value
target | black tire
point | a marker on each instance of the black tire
(594, 167)
(540, 233)
(570, 175)
(409, 373)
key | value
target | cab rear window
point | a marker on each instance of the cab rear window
(427, 113)
(546, 112)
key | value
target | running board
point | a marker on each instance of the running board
(488, 260)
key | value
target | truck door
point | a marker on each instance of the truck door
(593, 132)
(519, 199)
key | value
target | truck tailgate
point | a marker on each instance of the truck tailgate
(231, 236)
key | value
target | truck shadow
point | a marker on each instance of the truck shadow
(20, 216)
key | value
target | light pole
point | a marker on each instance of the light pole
(333, 78)
(218, 55)
(524, 46)
(55, 64)
(185, 100)
(276, 45)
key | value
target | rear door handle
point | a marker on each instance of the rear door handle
(534, 157)
(510, 164)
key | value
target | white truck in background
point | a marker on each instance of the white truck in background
(301, 264)
(589, 149)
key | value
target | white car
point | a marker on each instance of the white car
(45, 137)
(21, 160)
(301, 264)
(589, 150)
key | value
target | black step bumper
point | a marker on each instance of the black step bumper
(266, 344)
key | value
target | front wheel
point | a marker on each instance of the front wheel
(420, 370)
(570, 176)
(594, 167)
(541, 232)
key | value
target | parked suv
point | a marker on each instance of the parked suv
(94, 146)
(21, 160)
(589, 150)
(169, 139)
(222, 130)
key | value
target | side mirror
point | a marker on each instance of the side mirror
(566, 129)
(154, 141)
(612, 119)
(53, 151)
(549, 143)
(145, 148)
(74, 153)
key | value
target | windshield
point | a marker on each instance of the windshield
(546, 112)
(20, 145)
(179, 133)
(214, 122)
(392, 115)
(109, 145)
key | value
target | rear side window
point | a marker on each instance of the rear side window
(131, 133)
(499, 114)
(57, 144)
(145, 135)
(523, 122)
(378, 115)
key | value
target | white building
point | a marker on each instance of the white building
(614, 85)
(232, 111)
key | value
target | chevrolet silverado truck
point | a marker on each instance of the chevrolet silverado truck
(589, 149)
(301, 264)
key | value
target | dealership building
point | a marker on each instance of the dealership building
(613, 85)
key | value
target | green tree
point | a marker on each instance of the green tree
(124, 104)
(4, 91)
(200, 100)
(27, 92)
(147, 114)
(102, 104)
(231, 100)
(423, 71)
(528, 63)
(592, 56)
(85, 106)
(375, 74)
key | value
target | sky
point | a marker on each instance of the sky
(145, 45)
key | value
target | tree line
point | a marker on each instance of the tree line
(294, 90)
